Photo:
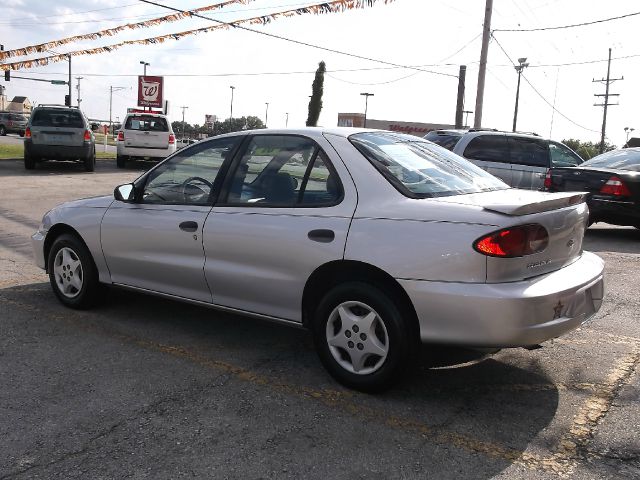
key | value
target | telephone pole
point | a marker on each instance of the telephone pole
(78, 88)
(606, 96)
(482, 71)
(183, 109)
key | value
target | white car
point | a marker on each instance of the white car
(145, 135)
(375, 241)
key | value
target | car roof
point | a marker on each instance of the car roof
(310, 131)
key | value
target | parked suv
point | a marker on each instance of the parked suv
(145, 135)
(521, 160)
(12, 122)
(57, 132)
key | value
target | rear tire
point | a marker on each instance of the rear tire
(3, 131)
(121, 161)
(72, 272)
(29, 162)
(90, 162)
(361, 337)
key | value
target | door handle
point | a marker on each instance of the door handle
(322, 235)
(189, 226)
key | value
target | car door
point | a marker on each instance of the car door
(491, 153)
(285, 210)
(529, 162)
(155, 242)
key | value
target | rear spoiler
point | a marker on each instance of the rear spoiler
(551, 201)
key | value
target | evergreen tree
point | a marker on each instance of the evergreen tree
(315, 104)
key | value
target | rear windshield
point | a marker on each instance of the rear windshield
(421, 169)
(446, 140)
(627, 159)
(57, 118)
(147, 123)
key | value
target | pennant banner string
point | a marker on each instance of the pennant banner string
(317, 9)
(109, 32)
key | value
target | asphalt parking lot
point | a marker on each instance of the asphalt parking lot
(142, 387)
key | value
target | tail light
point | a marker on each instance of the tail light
(615, 187)
(121, 136)
(27, 133)
(87, 136)
(172, 139)
(547, 180)
(514, 241)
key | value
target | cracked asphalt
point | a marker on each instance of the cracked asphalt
(145, 388)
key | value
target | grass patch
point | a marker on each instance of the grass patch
(110, 155)
(11, 151)
(100, 139)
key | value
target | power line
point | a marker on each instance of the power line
(539, 94)
(299, 42)
(560, 27)
(11, 20)
(374, 83)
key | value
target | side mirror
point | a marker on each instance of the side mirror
(124, 193)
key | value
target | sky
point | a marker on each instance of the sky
(434, 36)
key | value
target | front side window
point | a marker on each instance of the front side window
(147, 123)
(187, 178)
(529, 151)
(561, 156)
(283, 171)
(492, 148)
(420, 169)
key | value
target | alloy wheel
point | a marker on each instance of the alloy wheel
(67, 269)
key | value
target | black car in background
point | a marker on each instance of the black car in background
(612, 181)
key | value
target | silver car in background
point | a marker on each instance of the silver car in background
(373, 240)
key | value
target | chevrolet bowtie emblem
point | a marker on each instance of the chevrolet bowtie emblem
(557, 310)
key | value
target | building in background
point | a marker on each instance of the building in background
(413, 128)
(19, 104)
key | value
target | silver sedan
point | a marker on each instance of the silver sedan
(373, 240)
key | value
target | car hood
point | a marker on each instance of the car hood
(92, 202)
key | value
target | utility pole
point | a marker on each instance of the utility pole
(183, 109)
(519, 68)
(111, 90)
(460, 103)
(366, 106)
(78, 88)
(286, 122)
(266, 114)
(482, 71)
(606, 96)
(69, 83)
(231, 113)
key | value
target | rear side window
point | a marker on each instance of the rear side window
(57, 118)
(446, 140)
(420, 169)
(529, 151)
(492, 148)
(146, 123)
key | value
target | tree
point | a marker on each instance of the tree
(317, 88)
(237, 124)
(587, 150)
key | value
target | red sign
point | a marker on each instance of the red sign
(150, 91)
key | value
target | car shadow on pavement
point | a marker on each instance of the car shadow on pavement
(605, 238)
(468, 422)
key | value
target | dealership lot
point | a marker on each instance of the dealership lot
(148, 388)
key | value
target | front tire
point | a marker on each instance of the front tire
(72, 272)
(361, 336)
(3, 131)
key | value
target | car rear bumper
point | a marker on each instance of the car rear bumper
(510, 314)
(58, 152)
(614, 211)
(145, 152)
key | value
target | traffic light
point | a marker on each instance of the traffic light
(67, 100)
(7, 75)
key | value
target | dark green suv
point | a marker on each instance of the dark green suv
(56, 132)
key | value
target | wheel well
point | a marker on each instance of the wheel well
(333, 273)
(53, 233)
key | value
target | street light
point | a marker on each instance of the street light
(286, 121)
(522, 65)
(628, 130)
(232, 89)
(366, 106)
(111, 90)
(266, 114)
(145, 65)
